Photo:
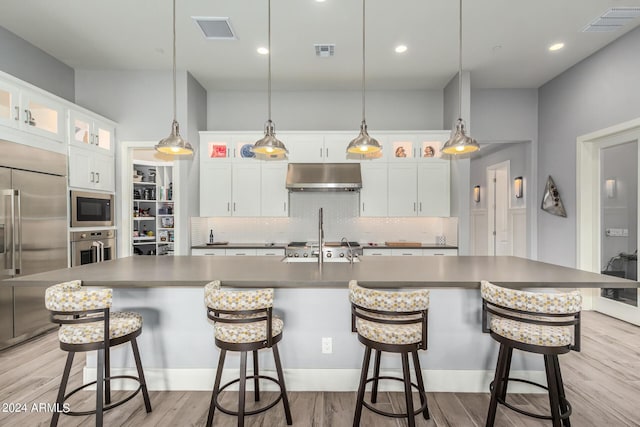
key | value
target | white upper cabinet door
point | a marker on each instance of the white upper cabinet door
(42, 115)
(241, 147)
(245, 184)
(90, 170)
(374, 193)
(304, 148)
(429, 145)
(434, 188)
(215, 189)
(104, 169)
(403, 189)
(9, 105)
(335, 149)
(215, 148)
(88, 131)
(274, 197)
(401, 148)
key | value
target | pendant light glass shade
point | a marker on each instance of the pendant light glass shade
(363, 143)
(269, 145)
(460, 143)
(174, 143)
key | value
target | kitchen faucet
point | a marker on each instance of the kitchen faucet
(320, 240)
(350, 252)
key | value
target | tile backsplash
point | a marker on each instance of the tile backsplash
(341, 219)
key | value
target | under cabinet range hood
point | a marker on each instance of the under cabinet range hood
(324, 177)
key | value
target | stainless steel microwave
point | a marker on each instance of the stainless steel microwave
(91, 209)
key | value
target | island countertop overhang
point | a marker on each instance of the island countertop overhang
(379, 271)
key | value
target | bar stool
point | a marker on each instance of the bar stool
(87, 324)
(539, 323)
(244, 322)
(394, 322)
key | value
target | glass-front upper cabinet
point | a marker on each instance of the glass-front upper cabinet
(9, 105)
(87, 130)
(42, 115)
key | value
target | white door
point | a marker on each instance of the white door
(498, 209)
(374, 193)
(274, 197)
(403, 189)
(215, 189)
(245, 185)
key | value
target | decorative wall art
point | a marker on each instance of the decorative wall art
(551, 201)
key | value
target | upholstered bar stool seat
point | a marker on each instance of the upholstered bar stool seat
(244, 322)
(395, 322)
(86, 319)
(542, 323)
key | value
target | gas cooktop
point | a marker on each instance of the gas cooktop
(330, 250)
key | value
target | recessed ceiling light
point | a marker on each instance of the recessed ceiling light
(263, 51)
(401, 48)
(320, 1)
(556, 46)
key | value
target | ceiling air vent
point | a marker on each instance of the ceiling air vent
(612, 20)
(215, 28)
(325, 50)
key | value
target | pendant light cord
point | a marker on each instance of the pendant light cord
(363, 56)
(460, 64)
(269, 61)
(174, 60)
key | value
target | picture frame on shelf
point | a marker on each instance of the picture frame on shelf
(167, 222)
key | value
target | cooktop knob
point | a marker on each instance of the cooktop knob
(305, 255)
(341, 254)
(289, 254)
(328, 254)
(296, 255)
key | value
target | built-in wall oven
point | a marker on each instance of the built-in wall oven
(88, 247)
(91, 209)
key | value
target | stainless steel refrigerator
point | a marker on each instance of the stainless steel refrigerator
(33, 234)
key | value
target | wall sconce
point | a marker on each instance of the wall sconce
(610, 187)
(518, 187)
(476, 194)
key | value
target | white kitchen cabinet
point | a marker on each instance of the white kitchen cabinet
(208, 252)
(241, 147)
(32, 111)
(270, 252)
(90, 170)
(274, 197)
(374, 193)
(245, 189)
(215, 189)
(215, 148)
(403, 188)
(406, 252)
(90, 131)
(434, 188)
(440, 252)
(376, 252)
(400, 148)
(304, 148)
(335, 149)
(429, 145)
(241, 252)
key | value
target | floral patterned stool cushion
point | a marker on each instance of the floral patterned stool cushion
(389, 334)
(120, 324)
(247, 332)
(527, 333)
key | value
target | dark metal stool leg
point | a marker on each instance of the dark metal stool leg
(256, 382)
(361, 387)
(216, 387)
(408, 396)
(507, 369)
(418, 369)
(554, 398)
(376, 374)
(283, 388)
(497, 381)
(62, 389)
(143, 381)
(107, 375)
(100, 388)
(563, 402)
(243, 386)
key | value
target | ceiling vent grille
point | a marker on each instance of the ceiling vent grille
(612, 20)
(215, 28)
(325, 50)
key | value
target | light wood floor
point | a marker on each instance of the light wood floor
(602, 383)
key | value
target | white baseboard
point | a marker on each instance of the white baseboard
(463, 381)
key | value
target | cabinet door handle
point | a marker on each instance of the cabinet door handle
(234, 206)
(239, 254)
(420, 206)
(228, 206)
(97, 139)
(327, 153)
(17, 113)
(414, 206)
(285, 206)
(320, 152)
(29, 118)
(362, 206)
(93, 177)
(234, 152)
(97, 177)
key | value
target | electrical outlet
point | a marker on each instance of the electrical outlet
(327, 345)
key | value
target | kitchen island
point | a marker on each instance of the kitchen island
(177, 345)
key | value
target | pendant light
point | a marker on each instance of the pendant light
(363, 143)
(460, 143)
(174, 143)
(269, 145)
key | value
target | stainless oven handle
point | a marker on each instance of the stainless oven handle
(101, 251)
(96, 245)
(10, 250)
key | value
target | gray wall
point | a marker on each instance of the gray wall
(600, 91)
(504, 114)
(330, 110)
(23, 60)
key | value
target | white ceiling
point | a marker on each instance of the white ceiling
(505, 41)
